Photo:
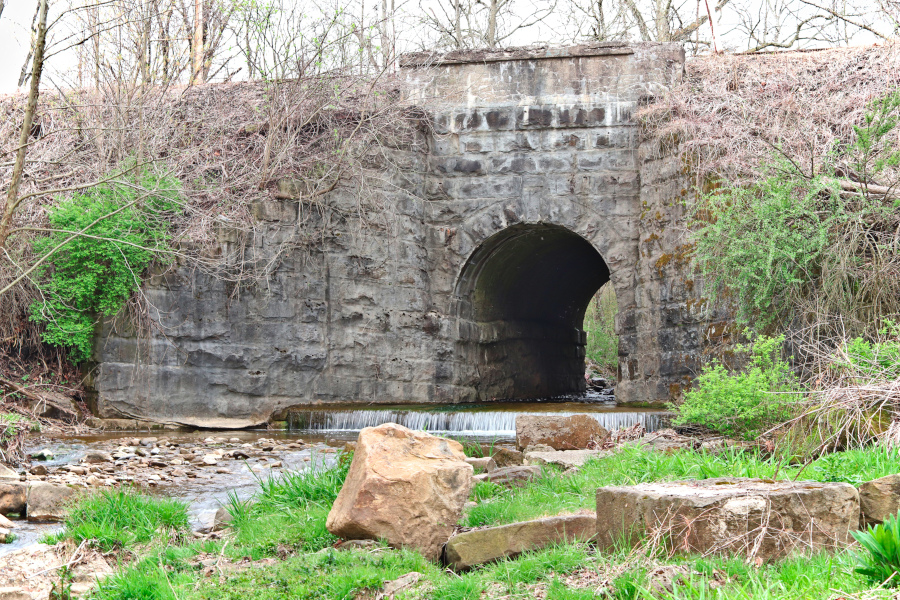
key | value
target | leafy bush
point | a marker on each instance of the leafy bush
(882, 542)
(804, 244)
(747, 402)
(116, 231)
(874, 359)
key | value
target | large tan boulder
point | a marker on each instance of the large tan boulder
(575, 432)
(753, 517)
(479, 546)
(49, 501)
(405, 487)
(879, 499)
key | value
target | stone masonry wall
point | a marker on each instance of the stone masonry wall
(534, 188)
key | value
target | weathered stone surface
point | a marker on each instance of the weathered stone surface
(12, 497)
(14, 593)
(48, 501)
(6, 523)
(560, 433)
(517, 476)
(7, 473)
(535, 188)
(507, 457)
(879, 499)
(483, 463)
(480, 546)
(96, 457)
(566, 459)
(749, 516)
(405, 487)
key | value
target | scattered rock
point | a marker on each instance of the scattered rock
(668, 441)
(212, 520)
(5, 535)
(485, 463)
(564, 458)
(754, 517)
(575, 432)
(879, 499)
(96, 457)
(517, 476)
(13, 593)
(13, 496)
(6, 523)
(400, 584)
(507, 457)
(48, 501)
(42, 455)
(479, 546)
(210, 459)
(38, 470)
(356, 544)
(7, 473)
(405, 487)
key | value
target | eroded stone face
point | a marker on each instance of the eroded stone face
(753, 517)
(404, 487)
(575, 432)
(539, 148)
(879, 499)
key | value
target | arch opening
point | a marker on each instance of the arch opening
(522, 298)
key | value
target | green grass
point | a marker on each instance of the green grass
(122, 518)
(554, 493)
(287, 520)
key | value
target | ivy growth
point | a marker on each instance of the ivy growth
(120, 230)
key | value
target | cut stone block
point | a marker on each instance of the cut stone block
(566, 459)
(574, 432)
(517, 476)
(879, 499)
(471, 548)
(753, 517)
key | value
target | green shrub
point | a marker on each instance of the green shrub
(878, 359)
(792, 248)
(881, 561)
(747, 402)
(599, 324)
(94, 273)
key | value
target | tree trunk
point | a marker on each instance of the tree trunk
(12, 195)
(197, 46)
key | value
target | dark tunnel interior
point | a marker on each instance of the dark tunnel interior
(526, 290)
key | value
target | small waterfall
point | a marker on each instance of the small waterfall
(482, 423)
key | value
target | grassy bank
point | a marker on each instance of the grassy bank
(278, 548)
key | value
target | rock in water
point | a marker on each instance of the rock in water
(575, 432)
(12, 497)
(48, 501)
(405, 487)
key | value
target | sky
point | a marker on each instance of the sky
(16, 20)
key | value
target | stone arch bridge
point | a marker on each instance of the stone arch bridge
(536, 188)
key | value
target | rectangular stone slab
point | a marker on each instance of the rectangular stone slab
(471, 548)
(753, 517)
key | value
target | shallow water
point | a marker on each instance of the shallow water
(494, 421)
